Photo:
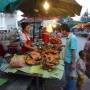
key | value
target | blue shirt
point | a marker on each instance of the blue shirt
(70, 44)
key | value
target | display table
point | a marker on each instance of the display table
(37, 69)
(36, 72)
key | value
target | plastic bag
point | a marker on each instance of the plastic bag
(73, 74)
(17, 61)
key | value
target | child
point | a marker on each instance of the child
(81, 70)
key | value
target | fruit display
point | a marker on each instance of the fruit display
(33, 58)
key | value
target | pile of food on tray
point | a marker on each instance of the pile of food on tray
(50, 58)
(46, 55)
(33, 58)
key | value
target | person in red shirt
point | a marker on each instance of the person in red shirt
(45, 35)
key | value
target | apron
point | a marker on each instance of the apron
(25, 49)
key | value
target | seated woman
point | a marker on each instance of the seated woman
(25, 38)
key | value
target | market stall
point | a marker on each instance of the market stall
(46, 63)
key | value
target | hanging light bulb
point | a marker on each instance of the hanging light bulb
(46, 5)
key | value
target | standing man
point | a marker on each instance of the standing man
(70, 58)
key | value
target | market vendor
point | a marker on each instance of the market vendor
(25, 38)
(45, 35)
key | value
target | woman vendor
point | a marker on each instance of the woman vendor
(25, 38)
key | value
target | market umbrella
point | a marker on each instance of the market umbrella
(73, 23)
(57, 7)
(87, 24)
(79, 25)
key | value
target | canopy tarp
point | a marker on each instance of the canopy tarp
(34, 7)
(73, 23)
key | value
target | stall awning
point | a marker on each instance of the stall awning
(34, 7)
